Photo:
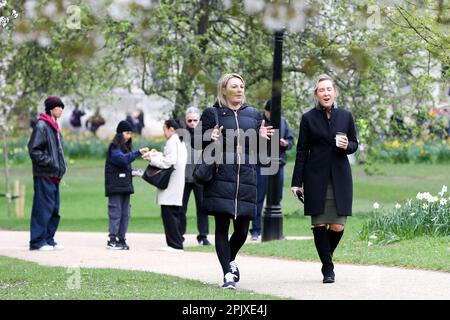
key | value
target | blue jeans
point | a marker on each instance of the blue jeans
(261, 185)
(45, 213)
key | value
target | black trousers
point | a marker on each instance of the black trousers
(227, 249)
(119, 215)
(202, 218)
(172, 226)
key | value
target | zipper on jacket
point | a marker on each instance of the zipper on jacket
(238, 151)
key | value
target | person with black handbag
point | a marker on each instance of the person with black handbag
(119, 184)
(231, 194)
(171, 198)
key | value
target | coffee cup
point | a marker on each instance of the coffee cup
(339, 136)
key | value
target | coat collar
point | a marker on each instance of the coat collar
(216, 105)
(318, 106)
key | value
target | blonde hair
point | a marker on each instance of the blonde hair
(324, 77)
(222, 84)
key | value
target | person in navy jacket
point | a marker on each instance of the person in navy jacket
(119, 184)
(322, 170)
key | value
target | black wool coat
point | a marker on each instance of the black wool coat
(318, 159)
(233, 188)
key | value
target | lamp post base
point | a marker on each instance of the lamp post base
(272, 228)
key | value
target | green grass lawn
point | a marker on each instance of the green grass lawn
(27, 280)
(84, 208)
(419, 253)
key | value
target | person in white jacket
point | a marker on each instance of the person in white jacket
(171, 198)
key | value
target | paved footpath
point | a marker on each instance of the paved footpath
(274, 276)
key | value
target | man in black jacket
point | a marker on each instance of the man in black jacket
(286, 143)
(46, 152)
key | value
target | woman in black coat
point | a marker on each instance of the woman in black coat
(232, 192)
(322, 170)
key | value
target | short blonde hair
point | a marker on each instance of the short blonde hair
(222, 84)
(324, 77)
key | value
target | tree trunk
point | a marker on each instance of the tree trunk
(182, 99)
(5, 158)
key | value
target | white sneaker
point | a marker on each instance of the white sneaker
(58, 247)
(228, 281)
(235, 271)
(46, 248)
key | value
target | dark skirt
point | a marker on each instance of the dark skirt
(329, 215)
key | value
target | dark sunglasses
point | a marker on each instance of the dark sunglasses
(192, 120)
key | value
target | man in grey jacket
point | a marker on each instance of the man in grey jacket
(46, 152)
(192, 119)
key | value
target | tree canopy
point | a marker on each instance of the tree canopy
(386, 56)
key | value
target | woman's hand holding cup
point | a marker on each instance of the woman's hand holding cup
(341, 140)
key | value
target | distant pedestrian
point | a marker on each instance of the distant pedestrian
(171, 198)
(119, 184)
(75, 119)
(95, 121)
(140, 121)
(322, 170)
(47, 155)
(132, 121)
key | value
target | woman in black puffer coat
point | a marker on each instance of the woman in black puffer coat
(232, 192)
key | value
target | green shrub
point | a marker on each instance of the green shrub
(76, 147)
(17, 150)
(423, 151)
(424, 215)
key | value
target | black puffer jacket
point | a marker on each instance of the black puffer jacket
(233, 189)
(46, 152)
(118, 179)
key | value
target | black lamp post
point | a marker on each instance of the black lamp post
(272, 228)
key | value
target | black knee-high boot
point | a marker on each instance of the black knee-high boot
(335, 237)
(322, 243)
